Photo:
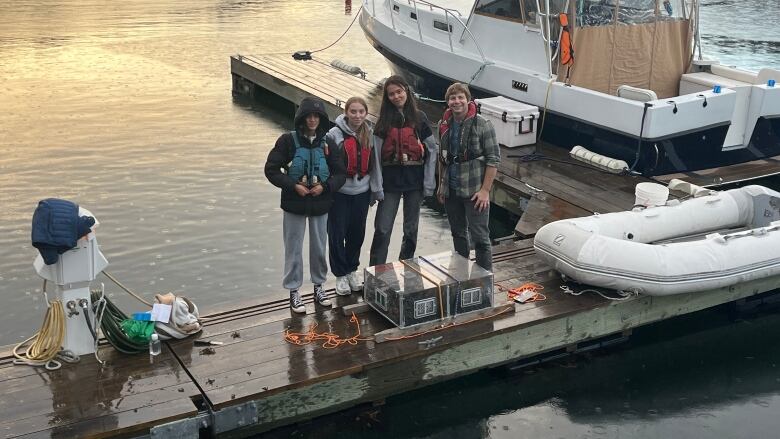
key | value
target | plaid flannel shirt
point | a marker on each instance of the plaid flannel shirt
(480, 141)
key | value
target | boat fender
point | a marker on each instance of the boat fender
(349, 68)
(676, 184)
(600, 161)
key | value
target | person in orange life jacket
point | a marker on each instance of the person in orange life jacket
(468, 163)
(347, 218)
(306, 197)
(405, 150)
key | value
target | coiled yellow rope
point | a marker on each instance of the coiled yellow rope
(47, 342)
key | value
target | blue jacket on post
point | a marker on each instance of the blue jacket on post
(56, 226)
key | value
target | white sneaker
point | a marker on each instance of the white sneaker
(354, 283)
(342, 286)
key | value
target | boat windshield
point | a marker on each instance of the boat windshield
(628, 12)
(645, 44)
(523, 11)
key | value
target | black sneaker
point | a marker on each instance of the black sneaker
(320, 297)
(296, 305)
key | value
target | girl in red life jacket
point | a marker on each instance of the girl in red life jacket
(405, 152)
(347, 216)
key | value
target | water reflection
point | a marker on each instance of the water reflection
(127, 110)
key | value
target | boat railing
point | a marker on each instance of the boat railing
(449, 14)
(545, 31)
(560, 32)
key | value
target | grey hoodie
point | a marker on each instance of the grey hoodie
(353, 185)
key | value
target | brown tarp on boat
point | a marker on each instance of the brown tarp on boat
(647, 55)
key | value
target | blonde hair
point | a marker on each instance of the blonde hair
(457, 88)
(363, 134)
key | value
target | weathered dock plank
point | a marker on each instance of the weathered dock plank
(272, 383)
(126, 396)
(322, 380)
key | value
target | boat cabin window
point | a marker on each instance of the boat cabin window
(442, 26)
(529, 12)
(522, 11)
(503, 9)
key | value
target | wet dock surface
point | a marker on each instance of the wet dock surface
(257, 381)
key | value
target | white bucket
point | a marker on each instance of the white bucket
(651, 194)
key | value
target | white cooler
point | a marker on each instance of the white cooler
(515, 122)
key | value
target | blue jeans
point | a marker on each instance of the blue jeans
(467, 222)
(383, 225)
(346, 231)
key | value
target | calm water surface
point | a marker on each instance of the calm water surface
(126, 108)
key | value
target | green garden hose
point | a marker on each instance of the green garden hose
(111, 325)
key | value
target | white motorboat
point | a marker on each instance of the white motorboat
(636, 89)
(713, 241)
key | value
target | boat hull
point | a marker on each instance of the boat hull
(696, 147)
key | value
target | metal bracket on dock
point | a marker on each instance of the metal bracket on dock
(427, 344)
(181, 429)
(231, 418)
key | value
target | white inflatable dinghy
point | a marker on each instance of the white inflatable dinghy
(713, 241)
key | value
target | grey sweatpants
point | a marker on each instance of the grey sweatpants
(293, 231)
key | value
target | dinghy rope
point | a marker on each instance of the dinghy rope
(622, 295)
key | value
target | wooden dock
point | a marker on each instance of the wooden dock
(257, 381)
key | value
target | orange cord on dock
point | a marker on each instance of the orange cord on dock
(332, 340)
(532, 287)
(447, 326)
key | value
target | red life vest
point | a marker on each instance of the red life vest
(402, 147)
(357, 157)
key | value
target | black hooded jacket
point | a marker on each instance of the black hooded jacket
(283, 152)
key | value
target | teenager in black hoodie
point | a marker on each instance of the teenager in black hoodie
(308, 198)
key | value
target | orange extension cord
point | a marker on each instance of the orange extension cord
(332, 340)
(533, 287)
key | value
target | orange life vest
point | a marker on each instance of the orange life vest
(402, 147)
(357, 157)
(565, 43)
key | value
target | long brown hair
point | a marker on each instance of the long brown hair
(363, 130)
(388, 113)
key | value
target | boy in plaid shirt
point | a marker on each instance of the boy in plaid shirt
(468, 163)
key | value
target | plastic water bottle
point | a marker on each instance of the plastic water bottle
(154, 345)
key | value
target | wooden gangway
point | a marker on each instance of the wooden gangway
(256, 381)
